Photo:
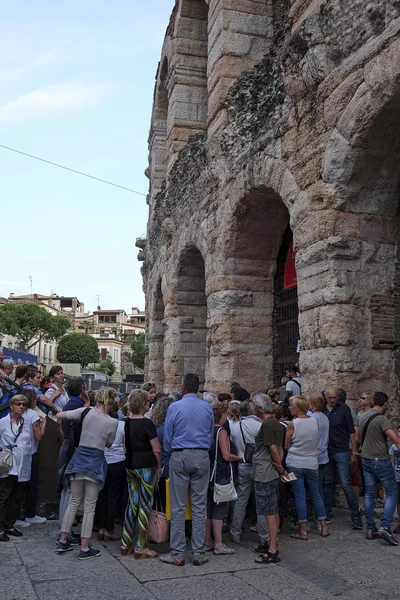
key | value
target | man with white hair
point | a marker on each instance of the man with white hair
(268, 468)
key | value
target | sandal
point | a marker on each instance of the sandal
(144, 553)
(125, 550)
(325, 533)
(299, 536)
(223, 550)
(268, 558)
(208, 548)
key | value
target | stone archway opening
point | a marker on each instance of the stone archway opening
(241, 316)
(286, 310)
(192, 311)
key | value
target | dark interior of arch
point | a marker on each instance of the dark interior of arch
(192, 305)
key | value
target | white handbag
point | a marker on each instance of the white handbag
(6, 460)
(226, 492)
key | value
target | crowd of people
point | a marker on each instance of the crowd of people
(273, 455)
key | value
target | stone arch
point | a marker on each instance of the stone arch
(155, 339)
(191, 310)
(241, 297)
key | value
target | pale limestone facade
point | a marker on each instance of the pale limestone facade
(274, 119)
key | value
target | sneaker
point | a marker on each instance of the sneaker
(357, 524)
(199, 559)
(371, 534)
(36, 520)
(86, 554)
(235, 539)
(63, 547)
(262, 548)
(74, 539)
(22, 524)
(170, 559)
(386, 534)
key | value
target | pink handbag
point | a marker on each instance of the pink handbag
(158, 530)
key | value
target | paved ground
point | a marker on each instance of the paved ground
(345, 566)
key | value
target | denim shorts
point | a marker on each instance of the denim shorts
(267, 497)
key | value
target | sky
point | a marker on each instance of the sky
(77, 82)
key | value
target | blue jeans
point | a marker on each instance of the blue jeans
(307, 478)
(341, 462)
(375, 471)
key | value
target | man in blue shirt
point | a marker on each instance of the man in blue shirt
(188, 434)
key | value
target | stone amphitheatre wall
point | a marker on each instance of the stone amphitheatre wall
(268, 115)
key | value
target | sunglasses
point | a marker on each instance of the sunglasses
(19, 403)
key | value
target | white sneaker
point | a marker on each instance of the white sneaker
(36, 520)
(21, 524)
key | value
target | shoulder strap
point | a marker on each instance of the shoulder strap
(365, 429)
(241, 430)
(214, 471)
(297, 381)
(85, 412)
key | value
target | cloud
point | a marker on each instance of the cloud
(46, 101)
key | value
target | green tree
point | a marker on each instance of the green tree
(31, 323)
(107, 366)
(138, 350)
(78, 348)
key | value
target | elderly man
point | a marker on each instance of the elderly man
(188, 435)
(267, 462)
(341, 431)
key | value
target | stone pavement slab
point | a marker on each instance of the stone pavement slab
(223, 586)
(15, 583)
(145, 570)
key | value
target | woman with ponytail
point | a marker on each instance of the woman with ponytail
(87, 468)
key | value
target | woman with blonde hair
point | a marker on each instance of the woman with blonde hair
(366, 403)
(143, 470)
(87, 468)
(302, 460)
(234, 411)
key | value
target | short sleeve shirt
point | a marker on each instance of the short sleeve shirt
(139, 452)
(270, 433)
(375, 443)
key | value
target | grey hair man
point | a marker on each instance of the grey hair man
(188, 435)
(268, 469)
(242, 434)
(210, 397)
(341, 433)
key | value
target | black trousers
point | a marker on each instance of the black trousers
(109, 500)
(11, 494)
(33, 487)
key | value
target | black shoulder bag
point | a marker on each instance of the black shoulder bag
(364, 433)
(249, 448)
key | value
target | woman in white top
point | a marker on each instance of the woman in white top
(57, 391)
(302, 460)
(110, 497)
(15, 434)
(37, 427)
(87, 470)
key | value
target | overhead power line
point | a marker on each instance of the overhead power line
(72, 170)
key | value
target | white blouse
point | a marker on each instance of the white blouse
(21, 447)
